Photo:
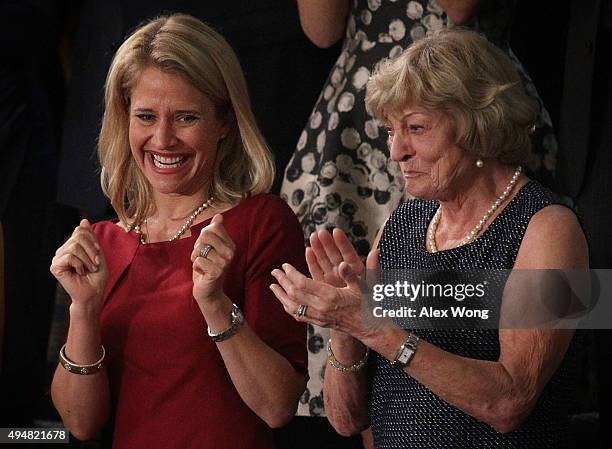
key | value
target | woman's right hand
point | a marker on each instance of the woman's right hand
(80, 267)
(327, 252)
(334, 296)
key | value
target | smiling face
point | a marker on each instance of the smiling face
(174, 131)
(423, 142)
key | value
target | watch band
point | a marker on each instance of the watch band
(237, 323)
(405, 352)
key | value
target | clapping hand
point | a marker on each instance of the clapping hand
(333, 297)
(80, 267)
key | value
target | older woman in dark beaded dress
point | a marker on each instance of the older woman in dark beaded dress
(459, 124)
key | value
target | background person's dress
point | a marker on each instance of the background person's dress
(340, 174)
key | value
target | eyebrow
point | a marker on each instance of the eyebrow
(180, 111)
(404, 117)
(412, 113)
(187, 111)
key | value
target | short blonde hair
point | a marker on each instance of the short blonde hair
(181, 45)
(458, 71)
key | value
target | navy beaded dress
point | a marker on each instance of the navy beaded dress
(404, 413)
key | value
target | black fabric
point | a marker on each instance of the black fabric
(30, 88)
(30, 106)
(14, 133)
(311, 432)
(577, 98)
(585, 159)
(404, 413)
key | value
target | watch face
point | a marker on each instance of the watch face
(405, 355)
(238, 316)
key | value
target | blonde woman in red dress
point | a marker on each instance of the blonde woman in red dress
(174, 332)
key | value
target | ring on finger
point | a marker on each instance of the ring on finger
(205, 250)
(301, 311)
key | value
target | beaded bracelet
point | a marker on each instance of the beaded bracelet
(75, 368)
(333, 361)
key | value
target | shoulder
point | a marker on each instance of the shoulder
(414, 207)
(118, 245)
(554, 239)
(266, 206)
(108, 230)
(411, 213)
(263, 216)
(271, 232)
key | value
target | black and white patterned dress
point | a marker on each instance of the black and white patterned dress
(404, 413)
(341, 175)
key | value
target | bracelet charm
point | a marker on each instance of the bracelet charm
(76, 368)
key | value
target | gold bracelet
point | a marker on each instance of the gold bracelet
(75, 368)
(333, 361)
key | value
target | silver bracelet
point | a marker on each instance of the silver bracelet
(75, 368)
(333, 361)
(237, 323)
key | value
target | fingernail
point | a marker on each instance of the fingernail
(94, 268)
(285, 266)
(97, 260)
(274, 272)
(97, 246)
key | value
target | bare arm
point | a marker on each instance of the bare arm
(323, 21)
(501, 393)
(264, 379)
(346, 394)
(459, 11)
(83, 401)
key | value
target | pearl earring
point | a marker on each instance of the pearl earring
(479, 163)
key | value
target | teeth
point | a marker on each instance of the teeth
(167, 162)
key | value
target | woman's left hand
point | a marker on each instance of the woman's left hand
(209, 271)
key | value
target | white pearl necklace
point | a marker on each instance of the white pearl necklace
(431, 236)
(143, 238)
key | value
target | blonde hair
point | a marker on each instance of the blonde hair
(181, 45)
(460, 72)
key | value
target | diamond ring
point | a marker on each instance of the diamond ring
(301, 311)
(204, 250)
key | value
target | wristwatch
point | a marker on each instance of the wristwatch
(237, 323)
(405, 352)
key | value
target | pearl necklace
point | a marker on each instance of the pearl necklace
(143, 238)
(431, 236)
